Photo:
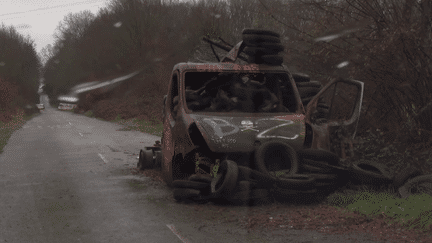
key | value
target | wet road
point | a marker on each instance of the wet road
(60, 181)
(66, 178)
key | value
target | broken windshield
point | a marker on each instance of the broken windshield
(239, 92)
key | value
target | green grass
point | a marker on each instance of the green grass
(142, 126)
(411, 213)
(89, 114)
(7, 129)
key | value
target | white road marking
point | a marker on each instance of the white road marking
(80, 134)
(39, 127)
(70, 123)
(106, 161)
(172, 228)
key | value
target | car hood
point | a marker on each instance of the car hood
(239, 133)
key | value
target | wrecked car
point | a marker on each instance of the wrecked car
(227, 111)
(252, 114)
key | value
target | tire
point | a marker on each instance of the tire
(300, 182)
(145, 160)
(308, 91)
(306, 169)
(259, 51)
(158, 159)
(315, 84)
(412, 186)
(226, 180)
(266, 59)
(185, 194)
(200, 178)
(260, 32)
(276, 47)
(405, 175)
(190, 184)
(301, 77)
(245, 186)
(265, 164)
(257, 39)
(319, 155)
(247, 174)
(325, 167)
(369, 172)
(326, 180)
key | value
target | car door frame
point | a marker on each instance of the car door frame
(168, 125)
(321, 132)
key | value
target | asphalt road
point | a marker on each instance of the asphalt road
(66, 178)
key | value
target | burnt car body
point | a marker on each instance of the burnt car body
(230, 129)
(226, 110)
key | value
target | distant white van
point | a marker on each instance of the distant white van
(66, 106)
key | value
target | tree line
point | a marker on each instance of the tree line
(385, 43)
(19, 72)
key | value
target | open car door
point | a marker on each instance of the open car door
(334, 113)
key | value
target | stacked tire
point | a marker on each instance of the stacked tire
(325, 168)
(196, 189)
(262, 46)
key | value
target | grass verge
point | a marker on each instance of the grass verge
(412, 213)
(140, 125)
(7, 129)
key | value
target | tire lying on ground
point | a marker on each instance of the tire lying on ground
(405, 175)
(190, 184)
(323, 167)
(260, 32)
(224, 183)
(145, 160)
(296, 182)
(319, 155)
(310, 169)
(369, 172)
(324, 180)
(417, 185)
(285, 159)
(203, 179)
(248, 174)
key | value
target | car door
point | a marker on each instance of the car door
(169, 121)
(334, 113)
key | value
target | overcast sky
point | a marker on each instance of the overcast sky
(39, 18)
